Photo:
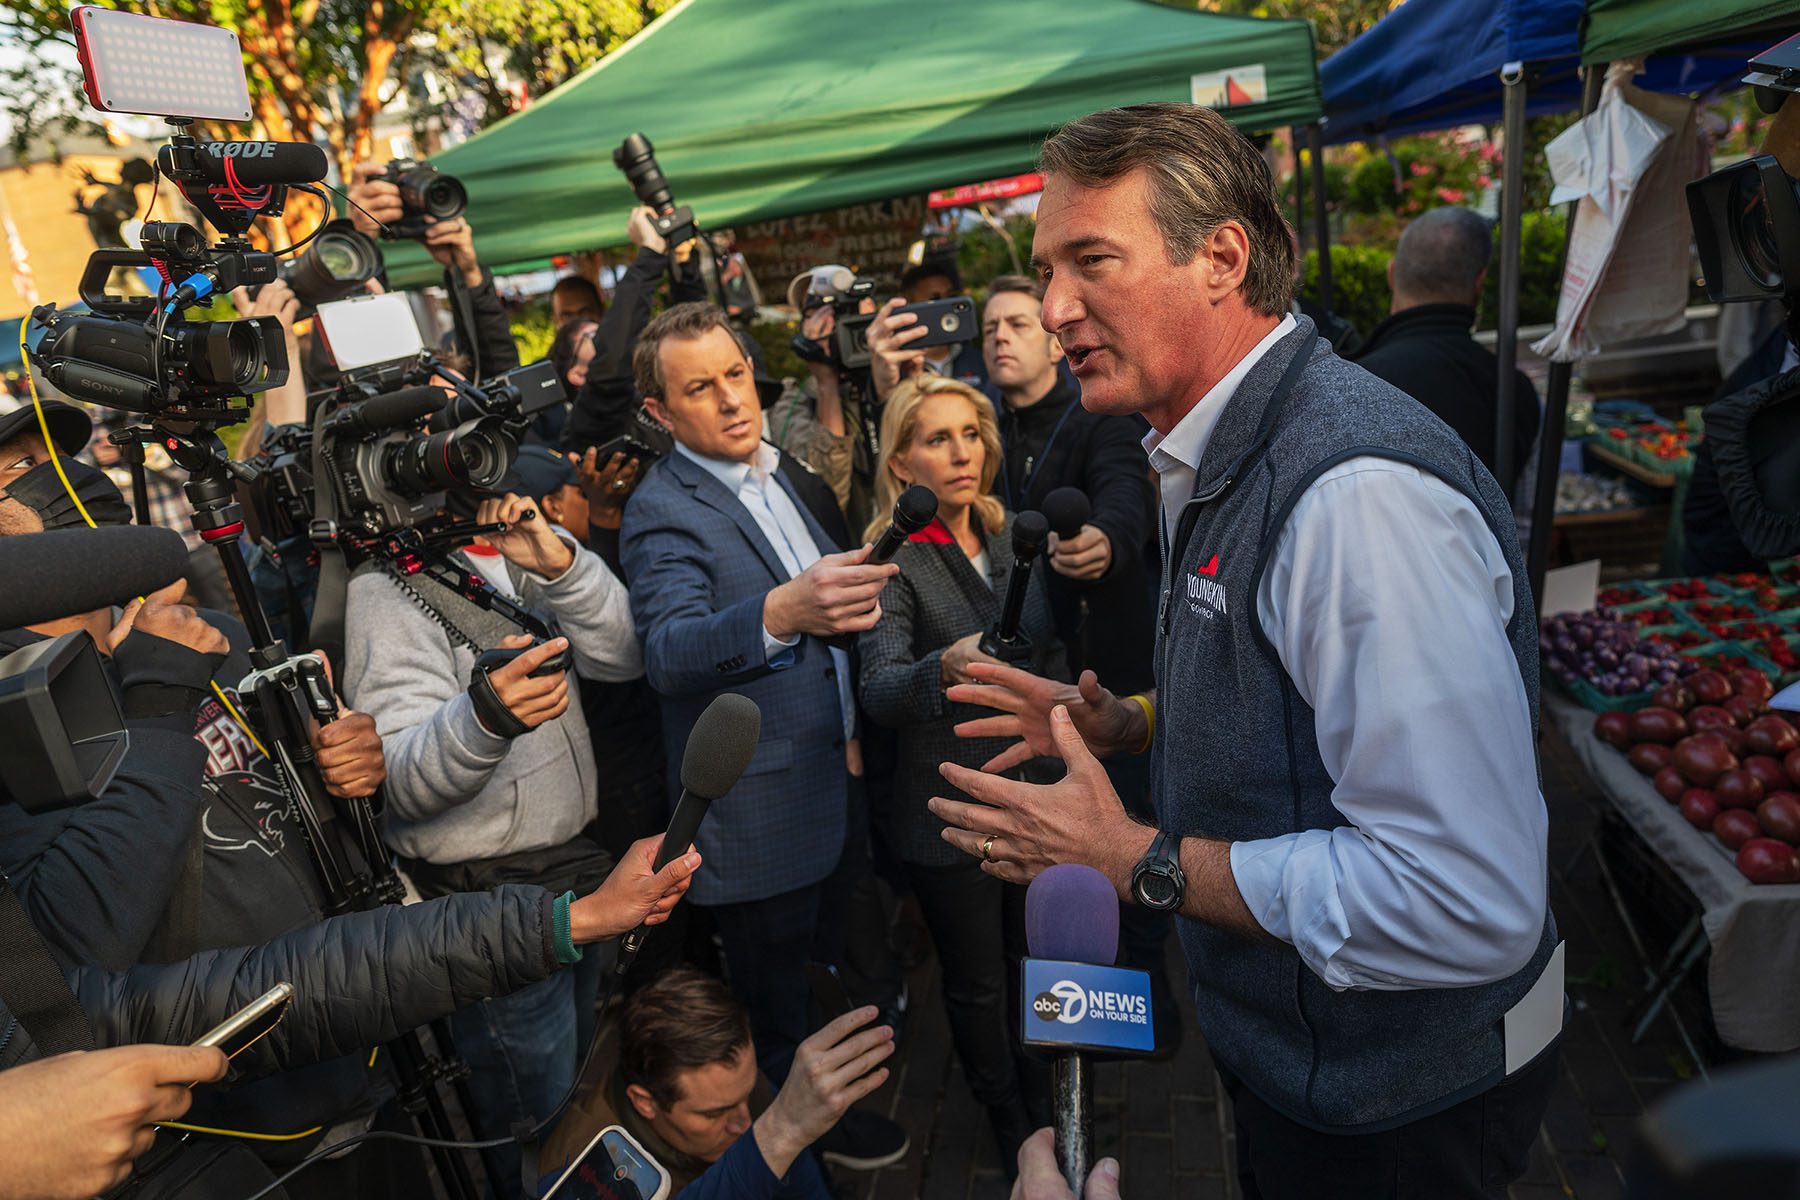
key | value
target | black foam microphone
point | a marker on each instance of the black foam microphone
(256, 164)
(718, 750)
(913, 511)
(1067, 510)
(67, 572)
(1004, 641)
(392, 410)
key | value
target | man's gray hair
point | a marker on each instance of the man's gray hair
(1442, 254)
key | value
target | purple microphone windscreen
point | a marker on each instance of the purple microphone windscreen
(1072, 915)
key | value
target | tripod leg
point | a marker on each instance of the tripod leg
(420, 1097)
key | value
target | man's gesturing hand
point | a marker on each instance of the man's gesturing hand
(837, 594)
(161, 614)
(833, 1069)
(1034, 826)
(72, 1124)
(1106, 723)
(636, 893)
(533, 701)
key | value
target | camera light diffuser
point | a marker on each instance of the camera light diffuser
(137, 64)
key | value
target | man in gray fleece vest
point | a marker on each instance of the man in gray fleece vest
(1349, 823)
(480, 795)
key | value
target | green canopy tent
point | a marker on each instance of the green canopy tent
(1616, 29)
(761, 110)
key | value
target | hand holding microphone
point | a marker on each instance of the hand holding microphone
(914, 510)
(1077, 550)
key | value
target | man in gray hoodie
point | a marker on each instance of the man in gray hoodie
(492, 780)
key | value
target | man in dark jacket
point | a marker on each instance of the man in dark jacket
(1424, 347)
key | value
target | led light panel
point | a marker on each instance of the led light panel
(137, 64)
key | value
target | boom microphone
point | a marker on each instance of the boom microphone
(1004, 641)
(394, 410)
(53, 575)
(718, 751)
(913, 511)
(1067, 510)
(256, 164)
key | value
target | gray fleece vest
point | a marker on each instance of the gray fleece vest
(1236, 756)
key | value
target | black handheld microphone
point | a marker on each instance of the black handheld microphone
(718, 751)
(1067, 510)
(52, 575)
(1004, 641)
(913, 511)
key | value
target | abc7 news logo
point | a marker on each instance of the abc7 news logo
(1066, 1002)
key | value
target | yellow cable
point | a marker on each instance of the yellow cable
(239, 1133)
(372, 1054)
(56, 461)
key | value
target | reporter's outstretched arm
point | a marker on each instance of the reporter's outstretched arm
(72, 1125)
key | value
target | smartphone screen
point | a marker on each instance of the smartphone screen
(611, 1167)
(367, 330)
(828, 991)
(251, 1023)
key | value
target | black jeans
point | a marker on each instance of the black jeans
(965, 909)
(767, 944)
(1473, 1149)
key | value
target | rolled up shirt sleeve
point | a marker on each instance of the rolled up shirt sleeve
(1387, 601)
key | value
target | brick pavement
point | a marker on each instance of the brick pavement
(1172, 1137)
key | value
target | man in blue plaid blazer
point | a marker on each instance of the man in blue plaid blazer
(732, 552)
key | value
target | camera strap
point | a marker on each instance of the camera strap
(325, 632)
(33, 986)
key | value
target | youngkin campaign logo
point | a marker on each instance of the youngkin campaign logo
(1205, 594)
(1070, 1003)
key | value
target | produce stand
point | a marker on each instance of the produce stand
(1752, 930)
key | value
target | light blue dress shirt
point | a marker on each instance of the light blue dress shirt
(775, 513)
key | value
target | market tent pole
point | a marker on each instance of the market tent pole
(1506, 344)
(1299, 188)
(1315, 150)
(1556, 407)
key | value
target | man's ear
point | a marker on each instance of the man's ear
(1056, 350)
(642, 1101)
(653, 405)
(551, 505)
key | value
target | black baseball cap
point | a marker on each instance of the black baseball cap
(70, 427)
(537, 472)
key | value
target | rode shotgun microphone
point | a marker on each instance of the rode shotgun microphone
(913, 511)
(1067, 510)
(1004, 641)
(53, 575)
(718, 751)
(1075, 999)
(250, 164)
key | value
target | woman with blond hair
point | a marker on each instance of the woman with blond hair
(941, 433)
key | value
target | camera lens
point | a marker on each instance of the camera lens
(1754, 229)
(474, 454)
(337, 264)
(426, 191)
(222, 353)
(637, 158)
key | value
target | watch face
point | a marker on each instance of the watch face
(1155, 890)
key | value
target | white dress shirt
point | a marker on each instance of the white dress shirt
(757, 489)
(1386, 599)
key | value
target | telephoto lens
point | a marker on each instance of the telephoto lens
(637, 158)
(337, 264)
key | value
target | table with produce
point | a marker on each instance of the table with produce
(1663, 691)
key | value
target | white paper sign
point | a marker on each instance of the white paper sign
(1571, 589)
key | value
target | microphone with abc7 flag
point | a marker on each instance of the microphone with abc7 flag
(1075, 1001)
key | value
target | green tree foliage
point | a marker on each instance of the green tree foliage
(1336, 23)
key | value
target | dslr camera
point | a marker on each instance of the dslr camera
(425, 192)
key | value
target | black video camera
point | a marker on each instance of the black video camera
(140, 354)
(844, 292)
(425, 192)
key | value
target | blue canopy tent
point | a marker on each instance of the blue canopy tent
(1437, 64)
